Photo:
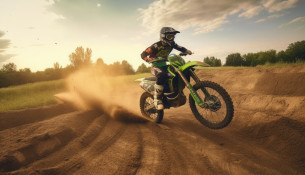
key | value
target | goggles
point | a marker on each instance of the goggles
(170, 36)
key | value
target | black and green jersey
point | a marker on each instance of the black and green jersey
(160, 50)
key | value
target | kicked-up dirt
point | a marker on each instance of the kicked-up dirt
(109, 136)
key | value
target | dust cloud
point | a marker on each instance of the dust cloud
(116, 96)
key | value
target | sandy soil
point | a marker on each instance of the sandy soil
(266, 136)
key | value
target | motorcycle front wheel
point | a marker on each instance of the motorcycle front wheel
(218, 110)
(148, 109)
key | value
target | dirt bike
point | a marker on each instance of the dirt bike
(209, 102)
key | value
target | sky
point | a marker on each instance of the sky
(37, 33)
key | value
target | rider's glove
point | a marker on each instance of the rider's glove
(189, 52)
(148, 59)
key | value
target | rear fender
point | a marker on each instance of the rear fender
(148, 86)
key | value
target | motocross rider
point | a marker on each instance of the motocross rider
(158, 51)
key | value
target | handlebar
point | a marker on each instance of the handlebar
(183, 54)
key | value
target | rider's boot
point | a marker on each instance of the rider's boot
(158, 97)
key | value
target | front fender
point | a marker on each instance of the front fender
(191, 64)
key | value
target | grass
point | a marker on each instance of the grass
(30, 95)
(283, 64)
(42, 93)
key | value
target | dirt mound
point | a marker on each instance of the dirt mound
(39, 139)
(269, 105)
(37, 148)
(290, 84)
(289, 81)
(284, 136)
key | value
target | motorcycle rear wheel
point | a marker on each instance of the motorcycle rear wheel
(153, 114)
(221, 105)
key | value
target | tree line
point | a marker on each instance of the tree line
(295, 52)
(80, 58)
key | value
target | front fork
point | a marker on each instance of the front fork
(197, 80)
(193, 93)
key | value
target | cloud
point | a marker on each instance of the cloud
(4, 44)
(2, 33)
(269, 17)
(260, 20)
(251, 12)
(77, 10)
(4, 57)
(279, 5)
(299, 19)
(296, 20)
(301, 27)
(275, 16)
(204, 15)
(211, 25)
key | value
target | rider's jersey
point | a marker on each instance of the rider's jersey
(160, 50)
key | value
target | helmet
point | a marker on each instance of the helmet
(167, 34)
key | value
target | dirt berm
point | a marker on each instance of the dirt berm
(266, 136)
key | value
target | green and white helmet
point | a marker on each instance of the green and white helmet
(167, 34)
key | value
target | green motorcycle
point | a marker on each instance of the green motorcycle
(209, 102)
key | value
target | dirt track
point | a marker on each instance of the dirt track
(266, 136)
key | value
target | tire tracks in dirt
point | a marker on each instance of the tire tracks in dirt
(178, 146)
(82, 142)
(226, 150)
(43, 142)
(154, 159)
(109, 134)
(186, 160)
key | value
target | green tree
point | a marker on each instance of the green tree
(250, 59)
(80, 57)
(101, 66)
(296, 51)
(282, 56)
(25, 76)
(26, 70)
(9, 67)
(115, 69)
(234, 59)
(217, 63)
(267, 56)
(127, 68)
(212, 61)
(100, 62)
(56, 66)
(143, 69)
